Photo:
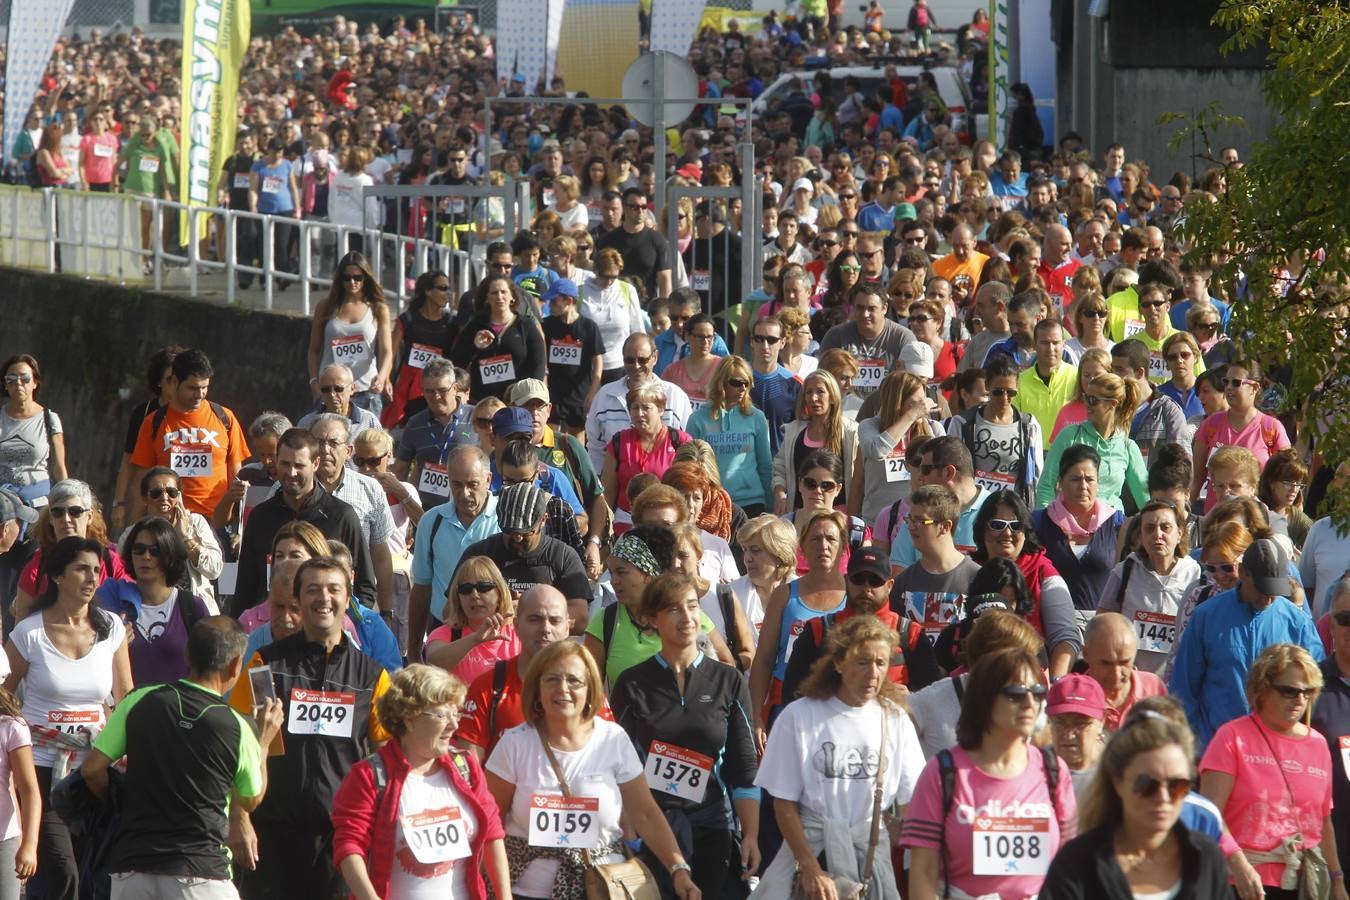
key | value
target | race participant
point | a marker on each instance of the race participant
(1111, 402)
(198, 438)
(828, 810)
(71, 512)
(576, 351)
(609, 414)
(769, 552)
(479, 628)
(1025, 312)
(1134, 839)
(693, 371)
(1076, 708)
(1049, 382)
(1181, 354)
(1241, 425)
(497, 346)
(351, 328)
(70, 656)
(445, 829)
(332, 433)
(667, 507)
(1158, 420)
(738, 434)
(32, 439)
(819, 426)
(955, 841)
(991, 307)
(517, 463)
(962, 267)
(331, 694)
(776, 389)
(1057, 266)
(868, 591)
(643, 249)
(1006, 442)
(1224, 636)
(945, 461)
(274, 190)
(593, 769)
(709, 744)
(372, 452)
(422, 333)
(335, 396)
(260, 471)
(1250, 770)
(1224, 544)
(611, 304)
(300, 497)
(880, 476)
(1110, 646)
(932, 590)
(818, 592)
(432, 434)
(189, 759)
(159, 393)
(162, 490)
(649, 445)
(875, 340)
(671, 345)
(1078, 531)
(1329, 715)
(728, 619)
(1089, 324)
(527, 556)
(158, 605)
(1148, 586)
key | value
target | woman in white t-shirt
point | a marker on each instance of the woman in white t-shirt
(769, 548)
(69, 655)
(823, 761)
(555, 826)
(612, 304)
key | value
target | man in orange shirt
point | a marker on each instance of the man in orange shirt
(961, 267)
(200, 440)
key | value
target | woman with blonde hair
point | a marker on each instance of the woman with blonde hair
(905, 287)
(769, 556)
(1111, 402)
(564, 750)
(819, 425)
(1220, 553)
(613, 305)
(562, 258)
(795, 351)
(738, 434)
(648, 446)
(393, 834)
(566, 204)
(719, 604)
(1093, 363)
(844, 367)
(479, 625)
(880, 476)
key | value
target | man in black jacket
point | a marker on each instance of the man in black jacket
(301, 497)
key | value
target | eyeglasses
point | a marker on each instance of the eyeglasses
(19, 379)
(1153, 304)
(919, 320)
(635, 207)
(849, 234)
(1216, 568)
(920, 521)
(441, 287)
(849, 196)
(458, 159)
(556, 681)
(636, 360)
(866, 579)
(160, 492)
(739, 384)
(353, 278)
(766, 339)
(812, 485)
(452, 714)
(1093, 400)
(826, 242)
(1012, 525)
(145, 549)
(1094, 314)
(1019, 692)
(331, 442)
(702, 337)
(1341, 618)
(1289, 692)
(332, 388)
(1146, 786)
(904, 295)
(1292, 485)
(1003, 392)
(850, 269)
(1178, 357)
(916, 241)
(365, 462)
(1239, 382)
(63, 512)
(583, 247)
(870, 253)
(481, 587)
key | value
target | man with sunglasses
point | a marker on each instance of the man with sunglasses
(776, 388)
(646, 255)
(867, 591)
(1226, 633)
(335, 396)
(932, 589)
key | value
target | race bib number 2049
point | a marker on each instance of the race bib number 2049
(327, 713)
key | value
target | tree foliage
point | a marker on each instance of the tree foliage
(1283, 225)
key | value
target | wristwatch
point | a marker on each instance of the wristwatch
(594, 539)
(681, 867)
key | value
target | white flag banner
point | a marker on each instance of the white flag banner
(674, 23)
(522, 27)
(551, 37)
(33, 30)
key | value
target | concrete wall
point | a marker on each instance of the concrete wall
(94, 340)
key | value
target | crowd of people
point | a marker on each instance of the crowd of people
(973, 558)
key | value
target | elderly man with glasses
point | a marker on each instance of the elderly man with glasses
(335, 396)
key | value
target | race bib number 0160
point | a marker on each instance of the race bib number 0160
(436, 836)
(1011, 846)
(328, 713)
(569, 822)
(679, 772)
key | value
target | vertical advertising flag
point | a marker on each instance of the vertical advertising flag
(33, 30)
(215, 39)
(998, 73)
(674, 24)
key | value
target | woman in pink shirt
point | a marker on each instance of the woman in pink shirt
(649, 446)
(98, 155)
(1270, 775)
(1242, 425)
(480, 622)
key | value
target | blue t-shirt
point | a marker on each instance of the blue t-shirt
(274, 187)
(873, 217)
(1177, 313)
(775, 395)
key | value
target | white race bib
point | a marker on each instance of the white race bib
(434, 480)
(1156, 631)
(1010, 847)
(679, 772)
(421, 354)
(870, 373)
(1133, 327)
(895, 467)
(569, 822)
(103, 151)
(995, 481)
(271, 184)
(701, 280)
(350, 350)
(149, 164)
(497, 370)
(436, 836)
(1345, 753)
(697, 403)
(191, 460)
(241, 182)
(456, 206)
(328, 713)
(1157, 368)
(71, 721)
(548, 197)
(565, 352)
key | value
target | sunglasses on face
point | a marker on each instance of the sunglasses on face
(812, 485)
(1093, 400)
(851, 270)
(1237, 382)
(484, 422)
(354, 279)
(145, 550)
(19, 379)
(766, 339)
(1216, 568)
(1146, 786)
(1292, 485)
(1010, 393)
(62, 512)
(365, 462)
(1012, 525)
(481, 587)
(1019, 692)
(161, 492)
(1289, 692)
(739, 384)
(1206, 326)
(1341, 618)
(1094, 314)
(636, 360)
(919, 320)
(1178, 357)
(1152, 304)
(866, 580)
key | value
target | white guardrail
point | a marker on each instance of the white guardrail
(99, 236)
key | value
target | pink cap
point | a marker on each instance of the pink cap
(1077, 694)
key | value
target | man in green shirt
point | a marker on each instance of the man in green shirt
(148, 158)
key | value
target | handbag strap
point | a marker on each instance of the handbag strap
(1293, 801)
(553, 761)
(875, 834)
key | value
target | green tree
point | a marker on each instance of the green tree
(1282, 227)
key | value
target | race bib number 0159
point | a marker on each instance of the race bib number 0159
(1011, 846)
(328, 713)
(569, 822)
(676, 771)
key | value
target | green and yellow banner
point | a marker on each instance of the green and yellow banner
(215, 39)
